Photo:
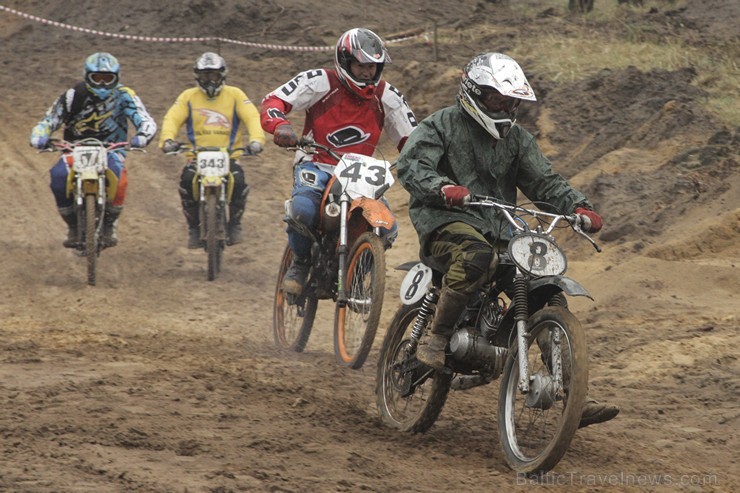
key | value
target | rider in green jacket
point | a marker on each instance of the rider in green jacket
(476, 147)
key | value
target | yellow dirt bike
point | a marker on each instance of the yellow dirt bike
(347, 257)
(212, 190)
(89, 185)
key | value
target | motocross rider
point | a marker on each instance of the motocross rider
(98, 107)
(475, 146)
(346, 108)
(212, 113)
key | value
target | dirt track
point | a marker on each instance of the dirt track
(156, 380)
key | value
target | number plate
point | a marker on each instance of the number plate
(415, 284)
(213, 163)
(89, 159)
(362, 176)
(537, 255)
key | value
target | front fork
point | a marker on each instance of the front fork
(521, 315)
(92, 185)
(342, 250)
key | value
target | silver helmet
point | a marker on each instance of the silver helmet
(210, 73)
(492, 87)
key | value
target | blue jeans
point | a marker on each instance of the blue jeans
(309, 182)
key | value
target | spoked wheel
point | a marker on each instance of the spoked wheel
(536, 428)
(292, 317)
(214, 246)
(356, 323)
(410, 395)
(91, 237)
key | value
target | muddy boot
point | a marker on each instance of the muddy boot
(449, 307)
(110, 226)
(70, 217)
(596, 412)
(190, 210)
(235, 225)
(296, 275)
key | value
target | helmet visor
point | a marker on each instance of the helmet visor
(494, 102)
(102, 79)
(209, 75)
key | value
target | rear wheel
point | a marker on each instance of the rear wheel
(536, 428)
(292, 317)
(356, 323)
(402, 401)
(91, 237)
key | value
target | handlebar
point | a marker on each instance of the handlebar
(514, 213)
(309, 146)
(183, 147)
(63, 145)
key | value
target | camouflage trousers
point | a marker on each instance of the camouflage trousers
(470, 259)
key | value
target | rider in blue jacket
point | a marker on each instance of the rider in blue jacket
(99, 107)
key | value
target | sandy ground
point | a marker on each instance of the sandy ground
(157, 380)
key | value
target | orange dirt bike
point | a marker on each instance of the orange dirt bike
(212, 190)
(88, 185)
(517, 327)
(347, 259)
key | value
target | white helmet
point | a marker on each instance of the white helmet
(492, 87)
(210, 73)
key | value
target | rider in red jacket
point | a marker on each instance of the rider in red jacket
(346, 108)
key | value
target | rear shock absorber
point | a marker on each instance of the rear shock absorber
(426, 310)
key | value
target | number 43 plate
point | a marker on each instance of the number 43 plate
(363, 176)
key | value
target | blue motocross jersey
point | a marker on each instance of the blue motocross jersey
(84, 116)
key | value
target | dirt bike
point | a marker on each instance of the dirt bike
(87, 183)
(212, 190)
(532, 342)
(348, 259)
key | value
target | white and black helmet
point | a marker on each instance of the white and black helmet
(492, 87)
(210, 73)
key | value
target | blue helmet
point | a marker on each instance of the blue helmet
(101, 74)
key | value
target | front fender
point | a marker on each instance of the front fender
(541, 290)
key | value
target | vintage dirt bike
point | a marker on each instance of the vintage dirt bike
(532, 342)
(88, 184)
(347, 259)
(212, 190)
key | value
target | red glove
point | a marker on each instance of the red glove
(454, 195)
(284, 136)
(590, 221)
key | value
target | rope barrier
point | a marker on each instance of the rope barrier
(158, 39)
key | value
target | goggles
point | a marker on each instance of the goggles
(103, 79)
(209, 75)
(495, 102)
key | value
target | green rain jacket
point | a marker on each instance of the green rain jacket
(449, 147)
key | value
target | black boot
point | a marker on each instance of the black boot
(449, 307)
(110, 226)
(295, 276)
(70, 217)
(235, 224)
(190, 210)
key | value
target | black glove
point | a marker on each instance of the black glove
(170, 146)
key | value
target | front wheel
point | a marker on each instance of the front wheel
(292, 317)
(410, 395)
(214, 246)
(356, 323)
(536, 428)
(91, 237)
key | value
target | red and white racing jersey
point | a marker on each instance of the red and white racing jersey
(336, 117)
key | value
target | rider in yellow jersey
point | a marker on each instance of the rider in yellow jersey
(214, 114)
